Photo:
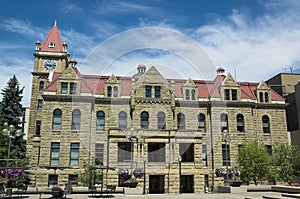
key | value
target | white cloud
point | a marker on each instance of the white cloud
(258, 48)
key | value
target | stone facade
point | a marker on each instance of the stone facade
(161, 123)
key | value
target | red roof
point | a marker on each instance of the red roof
(95, 84)
(53, 42)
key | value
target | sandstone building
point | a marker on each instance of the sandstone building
(171, 126)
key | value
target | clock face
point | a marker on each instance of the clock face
(50, 65)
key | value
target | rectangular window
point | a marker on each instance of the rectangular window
(40, 104)
(225, 158)
(227, 94)
(124, 152)
(157, 91)
(186, 151)
(156, 152)
(73, 88)
(74, 154)
(64, 88)
(233, 94)
(269, 149)
(204, 155)
(73, 179)
(99, 149)
(54, 156)
(38, 128)
(52, 180)
(148, 91)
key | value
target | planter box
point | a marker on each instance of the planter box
(133, 191)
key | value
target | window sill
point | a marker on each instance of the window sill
(100, 131)
(267, 134)
(55, 130)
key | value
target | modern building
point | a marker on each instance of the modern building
(171, 128)
(287, 85)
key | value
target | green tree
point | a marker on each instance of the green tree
(286, 161)
(10, 113)
(255, 163)
(89, 177)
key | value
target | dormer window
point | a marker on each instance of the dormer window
(230, 94)
(51, 45)
(264, 97)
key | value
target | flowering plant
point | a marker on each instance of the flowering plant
(124, 174)
(138, 172)
(232, 172)
(11, 173)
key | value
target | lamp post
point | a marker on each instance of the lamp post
(144, 189)
(132, 138)
(226, 137)
(179, 161)
(11, 132)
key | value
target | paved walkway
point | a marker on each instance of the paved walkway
(248, 195)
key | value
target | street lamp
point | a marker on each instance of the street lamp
(226, 137)
(11, 132)
(179, 161)
(132, 138)
(144, 190)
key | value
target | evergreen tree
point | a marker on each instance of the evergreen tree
(10, 113)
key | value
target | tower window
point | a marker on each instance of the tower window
(41, 86)
(233, 94)
(193, 94)
(224, 122)
(64, 88)
(51, 45)
(56, 125)
(240, 123)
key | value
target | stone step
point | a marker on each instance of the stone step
(289, 195)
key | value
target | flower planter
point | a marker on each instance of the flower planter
(131, 184)
(236, 183)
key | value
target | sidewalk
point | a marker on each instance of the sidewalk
(248, 195)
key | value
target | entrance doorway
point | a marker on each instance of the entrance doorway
(187, 183)
(156, 184)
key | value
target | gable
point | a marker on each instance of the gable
(69, 74)
(152, 76)
(229, 81)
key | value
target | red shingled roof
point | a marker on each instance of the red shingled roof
(95, 84)
(54, 37)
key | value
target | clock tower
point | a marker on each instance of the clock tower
(50, 56)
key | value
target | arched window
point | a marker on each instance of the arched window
(115, 91)
(56, 122)
(266, 97)
(76, 119)
(201, 123)
(193, 94)
(224, 122)
(41, 86)
(180, 121)
(100, 123)
(261, 97)
(266, 124)
(144, 120)
(122, 120)
(240, 123)
(161, 120)
(109, 91)
(187, 94)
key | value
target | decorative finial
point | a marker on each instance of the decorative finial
(55, 22)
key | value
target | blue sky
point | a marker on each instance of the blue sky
(253, 39)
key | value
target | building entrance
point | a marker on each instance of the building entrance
(156, 184)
